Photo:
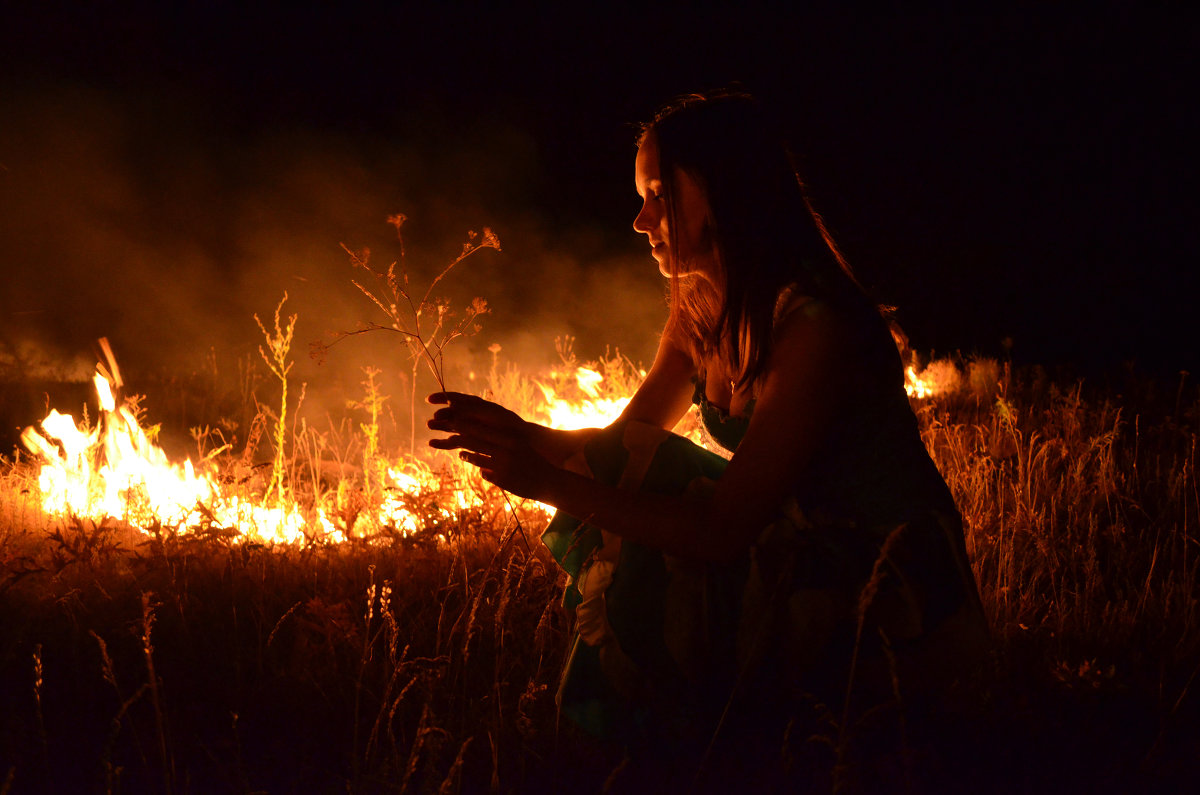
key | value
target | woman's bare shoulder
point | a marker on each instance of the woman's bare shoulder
(812, 333)
(795, 309)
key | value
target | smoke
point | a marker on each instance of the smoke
(151, 224)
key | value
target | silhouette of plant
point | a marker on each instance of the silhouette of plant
(427, 325)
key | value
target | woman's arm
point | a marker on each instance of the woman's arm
(804, 385)
(662, 399)
(665, 394)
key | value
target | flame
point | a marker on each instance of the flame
(915, 386)
(589, 411)
(115, 470)
(937, 378)
(407, 488)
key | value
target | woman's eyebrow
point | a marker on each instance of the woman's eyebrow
(647, 185)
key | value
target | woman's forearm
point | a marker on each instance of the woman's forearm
(556, 445)
(682, 526)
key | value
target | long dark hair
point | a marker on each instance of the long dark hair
(765, 234)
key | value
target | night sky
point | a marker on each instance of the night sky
(165, 174)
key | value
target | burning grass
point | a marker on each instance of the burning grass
(416, 646)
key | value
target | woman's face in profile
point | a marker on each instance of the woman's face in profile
(691, 213)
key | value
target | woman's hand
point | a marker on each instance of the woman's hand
(494, 439)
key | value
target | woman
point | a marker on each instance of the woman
(707, 588)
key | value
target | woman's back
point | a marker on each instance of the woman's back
(870, 506)
(872, 467)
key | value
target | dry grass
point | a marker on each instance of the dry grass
(189, 662)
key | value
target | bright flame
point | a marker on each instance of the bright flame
(915, 386)
(114, 470)
(937, 378)
(590, 411)
(407, 489)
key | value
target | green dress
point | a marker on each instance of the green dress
(868, 553)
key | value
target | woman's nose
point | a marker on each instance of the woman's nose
(642, 223)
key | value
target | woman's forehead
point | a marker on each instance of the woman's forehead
(645, 165)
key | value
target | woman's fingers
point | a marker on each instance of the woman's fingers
(475, 459)
(450, 397)
(442, 420)
(461, 401)
(486, 434)
(492, 438)
(461, 404)
(477, 418)
(482, 432)
(475, 444)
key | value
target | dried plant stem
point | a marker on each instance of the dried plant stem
(112, 772)
(374, 463)
(160, 719)
(279, 343)
(427, 325)
(364, 658)
(38, 673)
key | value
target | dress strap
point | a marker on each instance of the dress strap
(790, 299)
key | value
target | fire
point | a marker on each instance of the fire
(405, 487)
(114, 469)
(937, 378)
(915, 386)
(589, 411)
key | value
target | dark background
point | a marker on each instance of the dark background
(1022, 180)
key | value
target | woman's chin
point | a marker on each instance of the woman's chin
(683, 272)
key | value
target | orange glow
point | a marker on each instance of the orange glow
(915, 386)
(590, 410)
(114, 470)
(937, 378)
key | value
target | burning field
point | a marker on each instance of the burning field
(304, 609)
(111, 471)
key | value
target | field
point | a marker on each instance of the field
(421, 653)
